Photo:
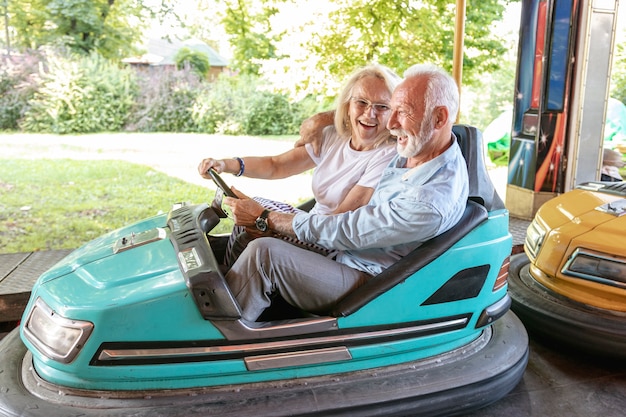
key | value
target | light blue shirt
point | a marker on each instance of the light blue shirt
(401, 215)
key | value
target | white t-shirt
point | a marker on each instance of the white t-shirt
(339, 168)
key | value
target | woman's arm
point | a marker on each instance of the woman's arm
(358, 196)
(292, 162)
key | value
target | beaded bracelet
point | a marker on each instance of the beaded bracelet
(242, 166)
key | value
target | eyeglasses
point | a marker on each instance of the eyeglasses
(363, 105)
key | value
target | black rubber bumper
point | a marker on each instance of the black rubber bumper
(561, 320)
(456, 382)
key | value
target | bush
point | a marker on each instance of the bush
(90, 94)
(215, 110)
(268, 114)
(81, 94)
(18, 83)
(307, 107)
(165, 102)
(238, 105)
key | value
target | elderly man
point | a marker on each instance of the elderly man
(421, 194)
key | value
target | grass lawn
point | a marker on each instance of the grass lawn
(63, 203)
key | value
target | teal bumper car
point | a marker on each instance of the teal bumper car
(141, 322)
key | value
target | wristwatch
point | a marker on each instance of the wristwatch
(261, 221)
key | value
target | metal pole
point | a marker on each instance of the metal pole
(6, 26)
(459, 32)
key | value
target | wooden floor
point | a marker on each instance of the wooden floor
(18, 273)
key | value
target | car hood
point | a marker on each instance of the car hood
(583, 207)
(120, 256)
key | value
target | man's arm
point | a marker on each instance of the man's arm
(281, 223)
(311, 130)
(246, 211)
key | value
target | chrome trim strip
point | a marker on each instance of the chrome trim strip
(251, 348)
(615, 208)
(245, 330)
(138, 239)
(307, 357)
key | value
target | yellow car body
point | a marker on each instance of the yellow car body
(576, 245)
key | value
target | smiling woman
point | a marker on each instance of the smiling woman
(61, 204)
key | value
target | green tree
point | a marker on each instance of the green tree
(399, 33)
(248, 23)
(109, 27)
(197, 61)
(618, 74)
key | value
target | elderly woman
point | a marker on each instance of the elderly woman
(354, 153)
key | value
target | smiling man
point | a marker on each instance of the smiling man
(421, 194)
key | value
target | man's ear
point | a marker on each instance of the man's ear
(441, 116)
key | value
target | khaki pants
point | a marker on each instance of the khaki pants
(305, 279)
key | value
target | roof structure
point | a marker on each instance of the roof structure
(163, 51)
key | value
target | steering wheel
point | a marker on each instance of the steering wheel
(222, 189)
(221, 183)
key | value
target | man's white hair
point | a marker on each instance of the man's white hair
(441, 90)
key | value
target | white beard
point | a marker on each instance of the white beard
(414, 144)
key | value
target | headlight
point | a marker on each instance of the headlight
(56, 337)
(534, 237)
(597, 266)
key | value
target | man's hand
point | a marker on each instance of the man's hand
(311, 130)
(245, 210)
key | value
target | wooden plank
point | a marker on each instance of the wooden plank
(19, 271)
(9, 262)
(22, 277)
(12, 306)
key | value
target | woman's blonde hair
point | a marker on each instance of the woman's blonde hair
(342, 118)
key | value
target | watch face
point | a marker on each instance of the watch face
(261, 224)
(261, 221)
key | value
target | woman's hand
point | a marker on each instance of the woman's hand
(311, 130)
(219, 165)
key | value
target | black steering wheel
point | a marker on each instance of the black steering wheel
(222, 189)
(221, 184)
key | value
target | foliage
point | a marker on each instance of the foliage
(490, 96)
(399, 33)
(239, 105)
(80, 95)
(216, 110)
(166, 101)
(81, 201)
(194, 60)
(268, 114)
(618, 74)
(18, 83)
(248, 29)
(109, 27)
(90, 94)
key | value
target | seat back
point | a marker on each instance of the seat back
(481, 188)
